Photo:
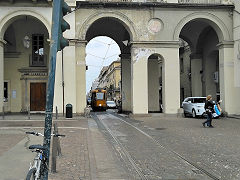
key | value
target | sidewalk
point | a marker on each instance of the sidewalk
(86, 154)
(15, 156)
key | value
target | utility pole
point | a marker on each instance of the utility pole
(58, 42)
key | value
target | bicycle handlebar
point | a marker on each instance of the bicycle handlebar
(58, 135)
(40, 134)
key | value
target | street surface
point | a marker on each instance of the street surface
(114, 146)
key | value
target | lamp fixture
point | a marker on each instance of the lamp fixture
(125, 42)
(26, 42)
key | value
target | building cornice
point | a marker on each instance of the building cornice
(94, 4)
(31, 3)
(73, 42)
(225, 44)
(2, 41)
(155, 44)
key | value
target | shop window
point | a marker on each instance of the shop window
(38, 58)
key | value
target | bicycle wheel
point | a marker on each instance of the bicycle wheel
(31, 174)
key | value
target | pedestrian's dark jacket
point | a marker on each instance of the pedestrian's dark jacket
(209, 106)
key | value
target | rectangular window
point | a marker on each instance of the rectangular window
(100, 96)
(199, 100)
(38, 50)
(5, 98)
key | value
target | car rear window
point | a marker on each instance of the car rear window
(199, 100)
(110, 102)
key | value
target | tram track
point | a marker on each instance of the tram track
(174, 152)
(133, 162)
(122, 151)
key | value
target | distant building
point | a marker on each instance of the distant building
(110, 79)
(95, 84)
(102, 78)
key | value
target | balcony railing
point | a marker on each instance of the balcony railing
(37, 61)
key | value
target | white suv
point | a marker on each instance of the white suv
(194, 106)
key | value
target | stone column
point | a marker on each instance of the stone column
(139, 80)
(80, 54)
(196, 74)
(171, 79)
(126, 82)
(226, 72)
(2, 42)
(65, 62)
(58, 90)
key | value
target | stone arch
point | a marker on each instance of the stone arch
(155, 67)
(9, 18)
(160, 57)
(188, 41)
(217, 24)
(124, 20)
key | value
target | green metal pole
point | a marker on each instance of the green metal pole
(58, 42)
(51, 81)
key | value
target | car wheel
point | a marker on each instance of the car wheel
(194, 113)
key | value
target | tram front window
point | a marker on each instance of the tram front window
(99, 96)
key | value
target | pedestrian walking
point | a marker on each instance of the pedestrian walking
(209, 108)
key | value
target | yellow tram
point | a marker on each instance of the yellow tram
(98, 99)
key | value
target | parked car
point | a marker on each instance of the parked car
(194, 106)
(111, 105)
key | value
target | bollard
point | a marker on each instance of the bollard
(56, 149)
(54, 155)
(59, 153)
(56, 112)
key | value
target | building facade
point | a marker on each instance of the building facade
(150, 60)
(110, 79)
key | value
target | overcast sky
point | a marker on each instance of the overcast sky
(101, 51)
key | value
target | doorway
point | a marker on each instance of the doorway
(37, 96)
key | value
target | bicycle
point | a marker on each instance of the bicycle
(39, 165)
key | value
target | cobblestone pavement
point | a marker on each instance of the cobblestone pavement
(180, 148)
(74, 162)
(157, 146)
(86, 153)
(215, 149)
